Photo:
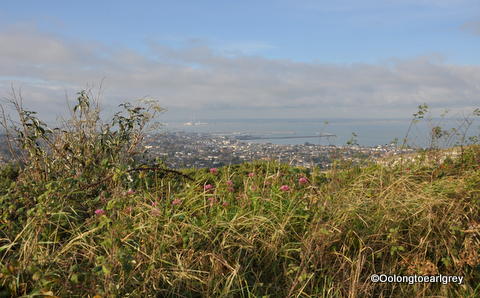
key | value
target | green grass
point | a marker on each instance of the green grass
(320, 239)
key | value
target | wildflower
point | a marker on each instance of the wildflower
(225, 204)
(211, 201)
(213, 170)
(208, 187)
(229, 182)
(253, 188)
(251, 174)
(284, 188)
(154, 204)
(99, 212)
(130, 192)
(231, 189)
(176, 202)
(303, 180)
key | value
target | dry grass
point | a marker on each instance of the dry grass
(102, 224)
(324, 238)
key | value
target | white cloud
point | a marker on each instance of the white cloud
(200, 78)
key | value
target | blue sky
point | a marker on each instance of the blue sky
(343, 31)
(387, 50)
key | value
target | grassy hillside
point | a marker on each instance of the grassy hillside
(85, 218)
(246, 235)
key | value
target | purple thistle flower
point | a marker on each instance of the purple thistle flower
(284, 188)
(208, 187)
(176, 202)
(213, 170)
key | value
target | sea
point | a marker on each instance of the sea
(365, 132)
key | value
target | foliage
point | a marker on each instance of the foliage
(84, 218)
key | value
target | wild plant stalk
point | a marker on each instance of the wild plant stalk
(83, 142)
(420, 114)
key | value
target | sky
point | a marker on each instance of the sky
(372, 59)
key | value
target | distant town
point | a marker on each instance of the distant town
(200, 150)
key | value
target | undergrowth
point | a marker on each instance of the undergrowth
(86, 218)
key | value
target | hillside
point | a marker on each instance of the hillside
(253, 229)
(82, 217)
